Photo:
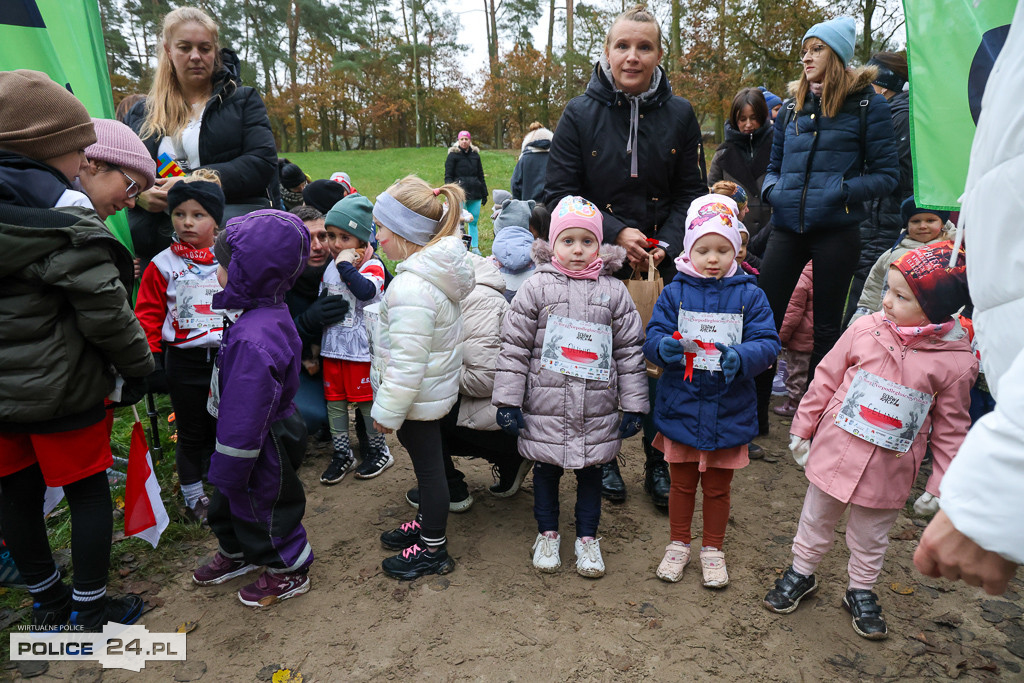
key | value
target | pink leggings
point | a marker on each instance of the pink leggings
(867, 535)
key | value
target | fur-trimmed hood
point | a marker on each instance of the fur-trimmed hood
(455, 148)
(614, 256)
(862, 78)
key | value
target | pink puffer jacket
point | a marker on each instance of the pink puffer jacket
(797, 333)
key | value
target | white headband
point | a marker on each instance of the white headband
(403, 221)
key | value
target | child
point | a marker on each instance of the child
(357, 275)
(511, 253)
(184, 332)
(67, 326)
(570, 361)
(706, 409)
(797, 336)
(417, 357)
(909, 367)
(257, 507)
(924, 227)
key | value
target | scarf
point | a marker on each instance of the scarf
(632, 138)
(201, 255)
(685, 265)
(906, 333)
(591, 272)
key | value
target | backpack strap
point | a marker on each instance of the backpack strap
(862, 138)
(788, 106)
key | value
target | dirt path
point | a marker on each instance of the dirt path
(495, 618)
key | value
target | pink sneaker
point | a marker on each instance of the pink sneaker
(221, 569)
(271, 588)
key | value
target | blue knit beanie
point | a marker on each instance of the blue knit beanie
(839, 34)
(909, 209)
(770, 98)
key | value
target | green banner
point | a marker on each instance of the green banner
(951, 46)
(62, 38)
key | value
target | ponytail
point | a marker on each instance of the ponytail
(416, 195)
(452, 218)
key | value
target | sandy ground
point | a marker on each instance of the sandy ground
(495, 618)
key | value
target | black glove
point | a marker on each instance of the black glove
(156, 381)
(132, 391)
(510, 420)
(631, 424)
(327, 310)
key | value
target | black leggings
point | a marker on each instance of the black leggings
(423, 442)
(835, 254)
(92, 522)
(188, 379)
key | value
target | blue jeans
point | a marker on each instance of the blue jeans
(474, 208)
(588, 498)
(982, 404)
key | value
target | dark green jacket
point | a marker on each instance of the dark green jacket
(65, 319)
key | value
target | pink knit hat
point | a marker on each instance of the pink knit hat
(712, 213)
(118, 144)
(575, 212)
(465, 134)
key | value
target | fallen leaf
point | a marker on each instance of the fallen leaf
(286, 676)
(119, 502)
(186, 627)
(900, 589)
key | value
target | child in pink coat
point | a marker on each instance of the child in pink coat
(797, 335)
(895, 381)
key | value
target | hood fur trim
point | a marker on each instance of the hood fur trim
(862, 78)
(456, 148)
(614, 256)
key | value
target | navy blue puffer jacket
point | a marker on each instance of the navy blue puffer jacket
(820, 173)
(706, 413)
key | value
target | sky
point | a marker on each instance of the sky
(474, 34)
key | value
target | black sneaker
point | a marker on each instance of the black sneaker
(458, 501)
(789, 591)
(375, 463)
(868, 621)
(612, 486)
(657, 482)
(124, 610)
(755, 452)
(401, 538)
(509, 478)
(415, 561)
(51, 615)
(337, 469)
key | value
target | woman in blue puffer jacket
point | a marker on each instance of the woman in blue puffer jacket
(833, 150)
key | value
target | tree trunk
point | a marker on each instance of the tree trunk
(545, 115)
(293, 66)
(570, 60)
(867, 42)
(675, 47)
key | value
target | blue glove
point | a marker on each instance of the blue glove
(632, 423)
(730, 362)
(670, 350)
(511, 420)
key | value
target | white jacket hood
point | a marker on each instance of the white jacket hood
(446, 265)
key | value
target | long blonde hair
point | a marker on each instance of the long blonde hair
(835, 86)
(167, 111)
(416, 194)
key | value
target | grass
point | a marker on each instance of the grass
(372, 172)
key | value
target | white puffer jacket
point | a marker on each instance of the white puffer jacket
(482, 312)
(418, 358)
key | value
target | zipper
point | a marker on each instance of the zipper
(807, 171)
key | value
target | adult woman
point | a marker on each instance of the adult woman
(882, 227)
(117, 169)
(463, 166)
(528, 176)
(633, 149)
(198, 114)
(833, 150)
(743, 157)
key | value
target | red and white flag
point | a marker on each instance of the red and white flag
(144, 513)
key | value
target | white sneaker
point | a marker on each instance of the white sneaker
(588, 558)
(545, 553)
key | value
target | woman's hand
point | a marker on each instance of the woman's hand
(154, 200)
(635, 244)
(382, 429)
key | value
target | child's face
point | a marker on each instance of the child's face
(899, 303)
(193, 224)
(69, 164)
(576, 248)
(924, 227)
(744, 238)
(394, 247)
(318, 248)
(712, 255)
(338, 240)
(222, 276)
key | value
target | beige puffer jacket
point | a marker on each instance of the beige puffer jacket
(482, 312)
(418, 358)
(571, 422)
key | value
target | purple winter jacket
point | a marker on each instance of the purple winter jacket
(259, 357)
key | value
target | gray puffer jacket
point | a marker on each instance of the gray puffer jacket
(482, 312)
(570, 422)
(65, 319)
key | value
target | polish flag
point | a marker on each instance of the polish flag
(144, 513)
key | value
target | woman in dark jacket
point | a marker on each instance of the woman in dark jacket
(198, 115)
(881, 229)
(833, 150)
(463, 166)
(634, 150)
(743, 157)
(528, 176)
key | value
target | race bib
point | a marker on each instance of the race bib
(194, 305)
(213, 402)
(707, 328)
(577, 349)
(371, 318)
(337, 288)
(883, 412)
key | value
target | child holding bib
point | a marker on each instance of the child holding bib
(896, 381)
(570, 362)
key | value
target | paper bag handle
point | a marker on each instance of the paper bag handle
(650, 269)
